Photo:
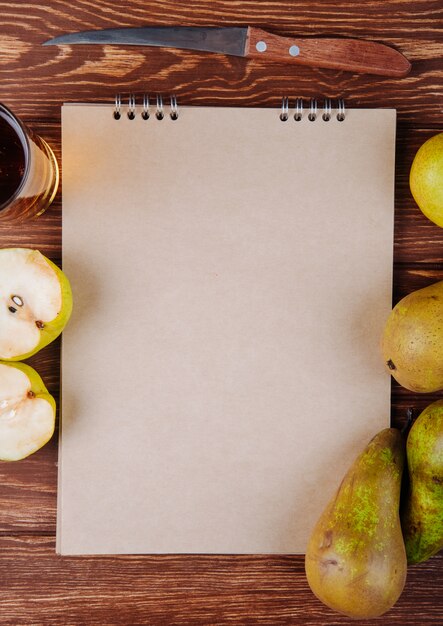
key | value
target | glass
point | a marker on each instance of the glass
(29, 174)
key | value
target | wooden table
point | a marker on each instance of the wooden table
(40, 588)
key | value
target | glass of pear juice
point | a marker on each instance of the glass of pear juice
(29, 174)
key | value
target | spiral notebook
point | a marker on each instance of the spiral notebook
(231, 271)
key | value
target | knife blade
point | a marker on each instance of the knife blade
(353, 55)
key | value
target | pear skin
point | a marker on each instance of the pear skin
(422, 509)
(356, 560)
(412, 342)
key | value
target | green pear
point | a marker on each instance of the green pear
(422, 509)
(426, 179)
(356, 561)
(412, 342)
(27, 412)
(35, 302)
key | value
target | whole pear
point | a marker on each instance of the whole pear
(422, 509)
(426, 178)
(412, 342)
(355, 560)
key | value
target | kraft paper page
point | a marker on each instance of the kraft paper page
(231, 277)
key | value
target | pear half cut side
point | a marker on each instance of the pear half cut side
(27, 412)
(35, 302)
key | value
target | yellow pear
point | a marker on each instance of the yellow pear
(426, 178)
(412, 342)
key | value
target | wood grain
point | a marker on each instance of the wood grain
(40, 588)
(177, 590)
(34, 80)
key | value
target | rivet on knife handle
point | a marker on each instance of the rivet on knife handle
(351, 55)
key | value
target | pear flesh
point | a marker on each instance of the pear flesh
(27, 412)
(422, 510)
(355, 560)
(35, 302)
(412, 342)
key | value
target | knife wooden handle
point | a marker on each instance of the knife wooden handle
(351, 55)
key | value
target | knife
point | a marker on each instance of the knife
(352, 55)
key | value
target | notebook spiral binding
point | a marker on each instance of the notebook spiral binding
(312, 111)
(146, 107)
(299, 110)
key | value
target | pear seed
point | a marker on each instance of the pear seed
(17, 300)
(11, 308)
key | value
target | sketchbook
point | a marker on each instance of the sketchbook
(232, 272)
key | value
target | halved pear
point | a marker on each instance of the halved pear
(35, 302)
(27, 412)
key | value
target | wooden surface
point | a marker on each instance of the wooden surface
(38, 587)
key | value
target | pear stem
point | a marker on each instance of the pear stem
(409, 421)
